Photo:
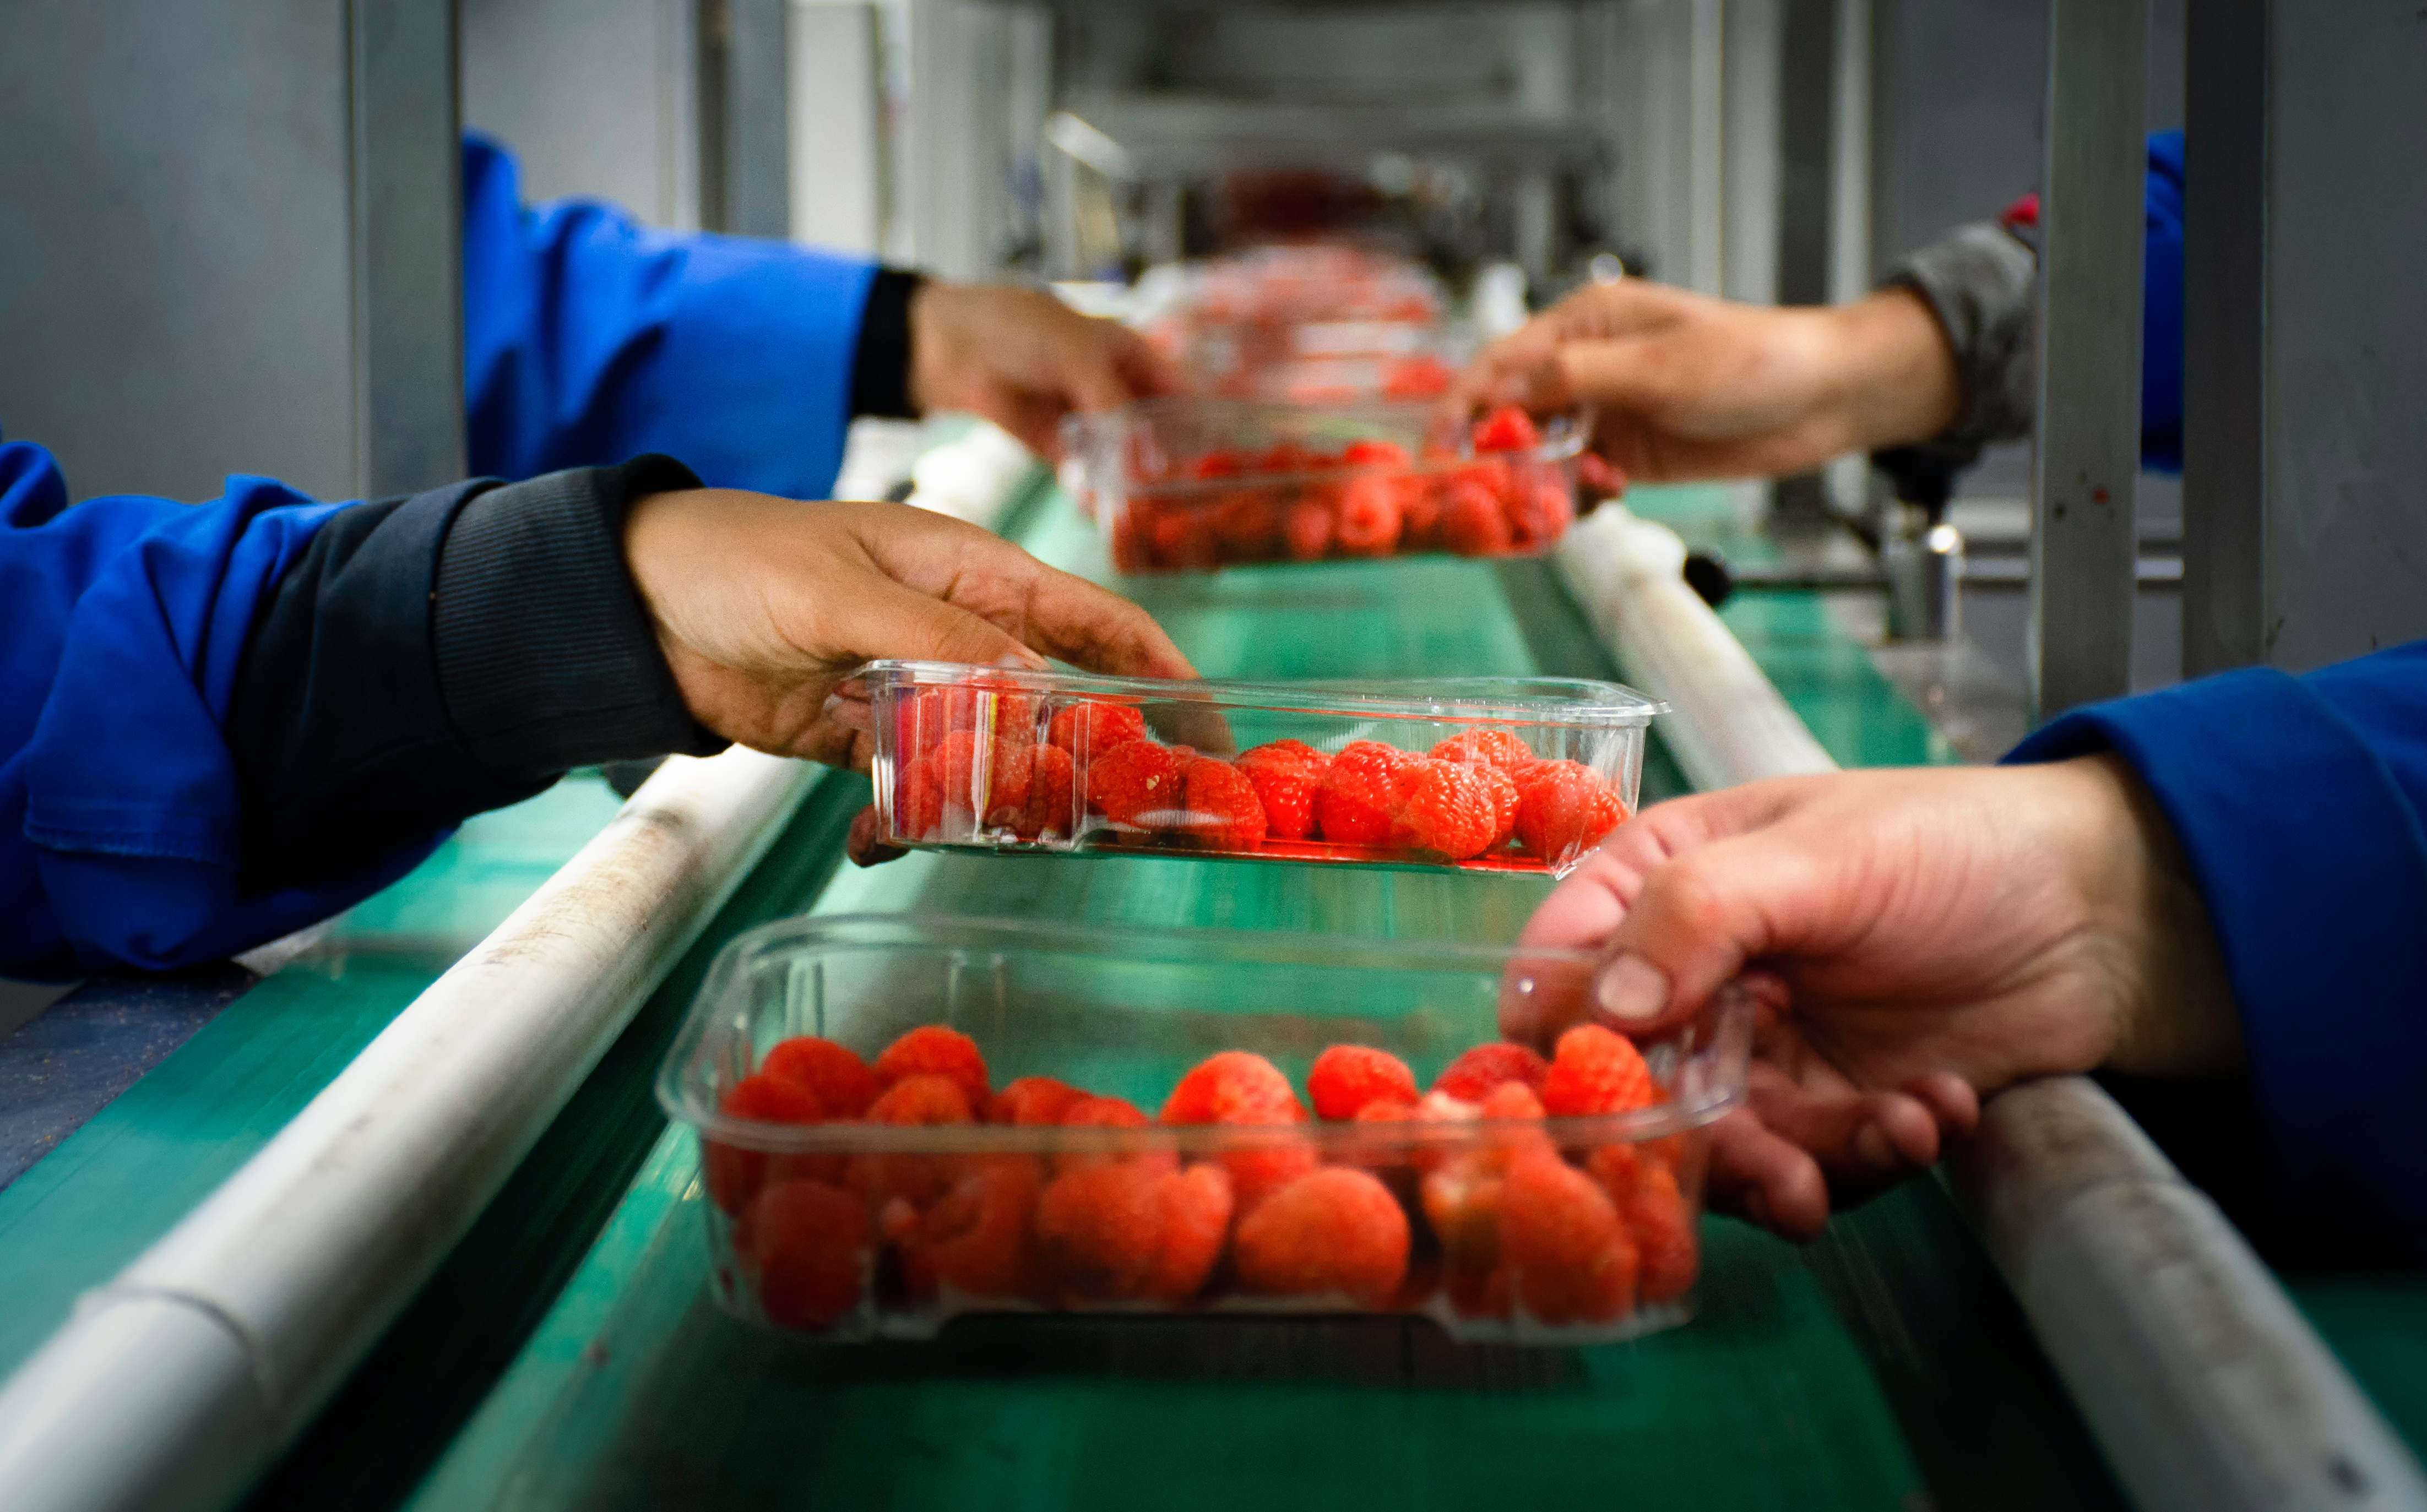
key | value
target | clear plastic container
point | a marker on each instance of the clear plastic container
(1191, 484)
(1493, 774)
(1499, 1223)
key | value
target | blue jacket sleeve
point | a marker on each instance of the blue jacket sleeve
(2298, 805)
(123, 625)
(590, 339)
(2162, 306)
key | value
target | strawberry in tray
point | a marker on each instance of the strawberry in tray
(1472, 1203)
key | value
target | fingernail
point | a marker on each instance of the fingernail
(1873, 1149)
(1023, 660)
(1632, 988)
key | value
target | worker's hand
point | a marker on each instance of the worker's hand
(1023, 359)
(1687, 386)
(765, 605)
(1920, 939)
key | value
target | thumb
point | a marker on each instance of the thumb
(1698, 920)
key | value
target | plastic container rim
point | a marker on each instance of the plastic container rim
(1560, 702)
(1731, 1014)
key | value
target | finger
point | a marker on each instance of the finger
(1863, 1142)
(894, 622)
(1700, 917)
(1766, 1180)
(1091, 626)
(863, 845)
(1950, 1099)
(1148, 372)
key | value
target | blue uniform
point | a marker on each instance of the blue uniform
(588, 339)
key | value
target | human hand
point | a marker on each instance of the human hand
(1685, 386)
(1918, 939)
(765, 605)
(1023, 359)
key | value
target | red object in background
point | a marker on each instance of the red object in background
(2022, 213)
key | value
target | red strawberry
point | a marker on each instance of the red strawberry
(1090, 728)
(1108, 1113)
(919, 801)
(1099, 1231)
(1445, 809)
(842, 1081)
(1306, 529)
(1335, 1231)
(1217, 464)
(1286, 774)
(978, 1238)
(1183, 537)
(1569, 1258)
(914, 1101)
(1473, 523)
(1374, 454)
(1347, 1079)
(1595, 1071)
(1361, 792)
(1473, 1075)
(933, 1049)
(1564, 810)
(1129, 782)
(1486, 743)
(1034, 1100)
(1539, 513)
(1644, 1190)
(809, 1247)
(1237, 1087)
(990, 778)
(1507, 429)
(1196, 1206)
(736, 1174)
(1053, 796)
(1369, 516)
(1249, 528)
(1221, 809)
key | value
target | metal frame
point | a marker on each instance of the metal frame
(2086, 451)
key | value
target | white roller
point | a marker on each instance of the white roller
(1729, 724)
(975, 478)
(2202, 1382)
(174, 1385)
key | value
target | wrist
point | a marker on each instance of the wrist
(1892, 378)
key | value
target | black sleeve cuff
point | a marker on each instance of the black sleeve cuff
(547, 660)
(880, 368)
(1978, 280)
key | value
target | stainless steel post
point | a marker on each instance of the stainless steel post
(2087, 446)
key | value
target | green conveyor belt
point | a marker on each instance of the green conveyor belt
(567, 1355)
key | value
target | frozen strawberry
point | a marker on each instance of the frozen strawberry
(735, 1174)
(1420, 513)
(1512, 1100)
(1445, 809)
(1645, 1191)
(1219, 807)
(1216, 463)
(1361, 793)
(1137, 784)
(1563, 809)
(1488, 744)
(989, 777)
(1307, 530)
(1421, 377)
(1570, 1257)
(1472, 521)
(1286, 774)
(1195, 1205)
(1460, 1197)
(1247, 527)
(919, 800)
(1369, 516)
(1089, 729)
(1473, 1075)
(1099, 1231)
(1000, 711)
(1110, 1113)
(1346, 1078)
(1053, 796)
(1334, 1232)
(1539, 513)
(1130, 553)
(1598, 479)
(933, 1049)
(1500, 789)
(1375, 454)
(809, 1246)
(1233, 1087)
(978, 1239)
(1507, 429)
(917, 1101)
(1033, 1101)
(842, 1081)
(1182, 538)
(1596, 1071)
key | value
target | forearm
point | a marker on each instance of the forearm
(1894, 379)
(432, 657)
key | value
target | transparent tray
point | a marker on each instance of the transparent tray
(890, 1218)
(1490, 775)
(1193, 484)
